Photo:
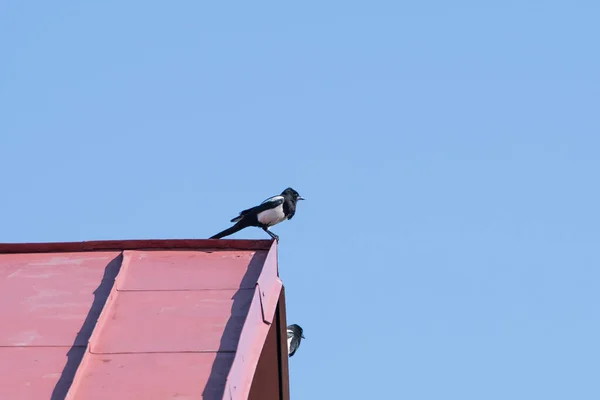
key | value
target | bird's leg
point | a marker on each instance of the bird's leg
(274, 236)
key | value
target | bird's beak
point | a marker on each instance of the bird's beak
(302, 336)
(301, 198)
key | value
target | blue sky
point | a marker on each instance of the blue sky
(448, 151)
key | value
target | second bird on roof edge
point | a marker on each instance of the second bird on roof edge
(294, 335)
(270, 212)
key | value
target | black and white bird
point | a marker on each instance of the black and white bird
(270, 212)
(294, 335)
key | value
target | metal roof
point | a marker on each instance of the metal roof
(145, 319)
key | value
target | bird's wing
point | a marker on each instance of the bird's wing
(268, 204)
(277, 199)
(294, 344)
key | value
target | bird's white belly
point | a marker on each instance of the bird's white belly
(273, 216)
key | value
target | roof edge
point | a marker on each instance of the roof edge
(136, 244)
(255, 329)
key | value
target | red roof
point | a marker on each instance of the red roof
(159, 319)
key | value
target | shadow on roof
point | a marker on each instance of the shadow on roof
(220, 369)
(76, 352)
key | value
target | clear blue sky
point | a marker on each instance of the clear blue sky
(449, 153)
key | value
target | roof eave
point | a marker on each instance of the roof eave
(137, 244)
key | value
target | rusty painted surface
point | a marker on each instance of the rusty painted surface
(49, 304)
(35, 372)
(153, 319)
(172, 321)
(149, 376)
(191, 270)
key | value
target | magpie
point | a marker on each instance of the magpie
(294, 335)
(270, 212)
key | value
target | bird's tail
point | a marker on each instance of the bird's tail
(229, 231)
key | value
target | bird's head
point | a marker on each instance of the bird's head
(297, 330)
(289, 192)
